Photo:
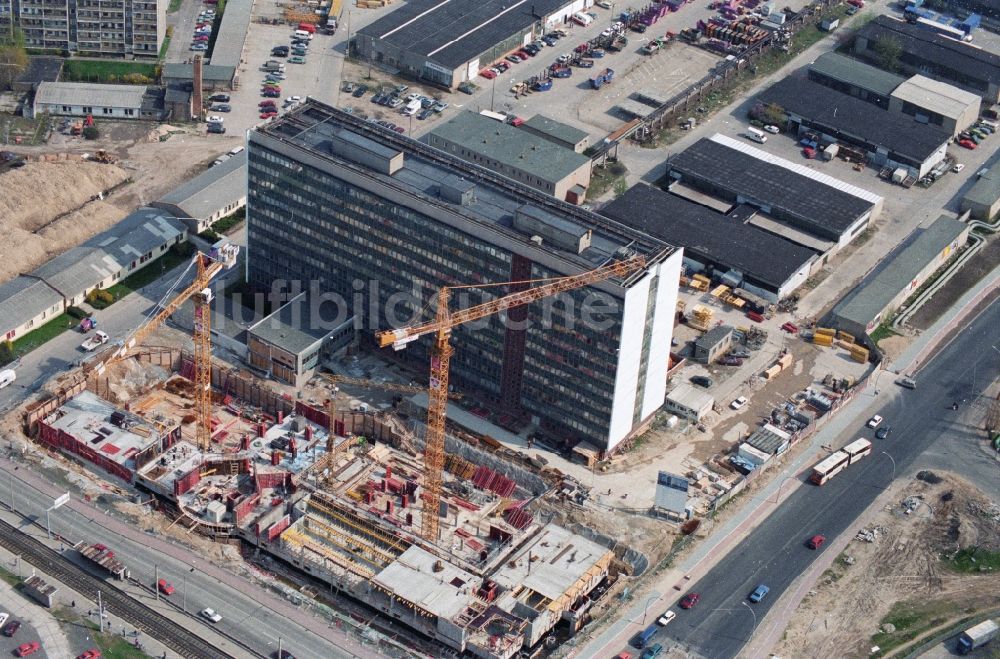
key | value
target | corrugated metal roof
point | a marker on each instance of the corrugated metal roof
(985, 191)
(898, 271)
(85, 93)
(557, 129)
(214, 189)
(509, 146)
(857, 73)
(232, 36)
(23, 298)
(183, 71)
(940, 97)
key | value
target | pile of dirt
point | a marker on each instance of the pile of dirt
(895, 572)
(50, 207)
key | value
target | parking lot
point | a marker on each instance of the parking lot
(25, 634)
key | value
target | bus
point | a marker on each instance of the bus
(830, 467)
(857, 449)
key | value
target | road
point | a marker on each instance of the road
(775, 553)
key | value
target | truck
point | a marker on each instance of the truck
(602, 78)
(561, 71)
(94, 342)
(87, 324)
(585, 63)
(7, 377)
(977, 636)
(543, 85)
(755, 135)
(618, 43)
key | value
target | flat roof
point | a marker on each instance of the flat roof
(842, 113)
(217, 187)
(936, 96)
(436, 586)
(986, 190)
(86, 93)
(556, 129)
(713, 336)
(185, 71)
(898, 271)
(819, 201)
(87, 417)
(22, 298)
(857, 73)
(551, 563)
(686, 395)
(293, 326)
(232, 36)
(313, 127)
(924, 44)
(453, 32)
(511, 147)
(708, 234)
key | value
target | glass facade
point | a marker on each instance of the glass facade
(386, 262)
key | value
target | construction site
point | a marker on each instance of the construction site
(442, 537)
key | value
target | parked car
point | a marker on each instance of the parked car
(217, 128)
(267, 104)
(816, 541)
(967, 144)
(774, 130)
(4, 617)
(297, 59)
(883, 432)
(92, 653)
(652, 651)
(25, 649)
(198, 46)
(11, 627)
(221, 107)
(210, 614)
(875, 421)
(666, 618)
(425, 113)
(689, 601)
(729, 360)
(957, 167)
(759, 593)
(360, 91)
(739, 403)
(702, 381)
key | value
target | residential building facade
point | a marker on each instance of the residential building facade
(381, 222)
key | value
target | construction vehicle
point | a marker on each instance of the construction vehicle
(76, 128)
(618, 43)
(977, 636)
(602, 78)
(102, 156)
(94, 342)
(221, 257)
(440, 327)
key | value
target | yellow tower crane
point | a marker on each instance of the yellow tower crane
(440, 327)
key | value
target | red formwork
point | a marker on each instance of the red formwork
(278, 528)
(63, 441)
(487, 479)
(317, 416)
(187, 481)
(272, 480)
(243, 508)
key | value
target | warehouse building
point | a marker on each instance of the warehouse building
(923, 52)
(524, 157)
(895, 279)
(854, 77)
(27, 303)
(212, 195)
(557, 132)
(689, 402)
(338, 200)
(713, 344)
(982, 200)
(446, 42)
(230, 42)
(214, 78)
(936, 103)
(718, 244)
(889, 139)
(107, 258)
(788, 199)
(79, 99)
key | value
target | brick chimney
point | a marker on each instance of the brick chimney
(196, 94)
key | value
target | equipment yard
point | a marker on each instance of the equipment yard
(898, 584)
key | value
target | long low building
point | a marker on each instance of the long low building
(79, 99)
(898, 276)
(769, 265)
(446, 42)
(785, 198)
(27, 303)
(210, 196)
(533, 160)
(922, 51)
(890, 139)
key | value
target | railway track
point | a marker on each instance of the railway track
(135, 613)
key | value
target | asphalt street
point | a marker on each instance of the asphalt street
(775, 552)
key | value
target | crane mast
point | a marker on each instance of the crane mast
(441, 351)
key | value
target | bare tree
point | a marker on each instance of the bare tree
(13, 58)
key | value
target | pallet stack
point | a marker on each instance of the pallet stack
(823, 336)
(700, 317)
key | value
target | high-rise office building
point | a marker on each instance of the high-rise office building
(379, 222)
(95, 28)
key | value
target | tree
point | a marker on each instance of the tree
(13, 58)
(769, 113)
(887, 52)
(91, 133)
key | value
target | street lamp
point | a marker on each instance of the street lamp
(893, 466)
(646, 609)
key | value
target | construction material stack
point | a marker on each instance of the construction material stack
(700, 317)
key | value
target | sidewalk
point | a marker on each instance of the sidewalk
(670, 585)
(50, 634)
(341, 640)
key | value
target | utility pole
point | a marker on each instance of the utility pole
(12, 493)
(100, 613)
(184, 595)
(156, 580)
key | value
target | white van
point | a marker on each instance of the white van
(302, 34)
(755, 135)
(236, 150)
(412, 108)
(7, 377)
(582, 19)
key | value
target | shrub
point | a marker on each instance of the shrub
(76, 312)
(91, 133)
(183, 249)
(105, 297)
(6, 352)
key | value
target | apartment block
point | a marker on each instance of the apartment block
(90, 28)
(380, 222)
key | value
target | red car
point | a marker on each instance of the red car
(486, 73)
(270, 93)
(92, 653)
(267, 104)
(11, 627)
(523, 54)
(25, 649)
(689, 600)
(968, 144)
(816, 541)
(269, 114)
(165, 587)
